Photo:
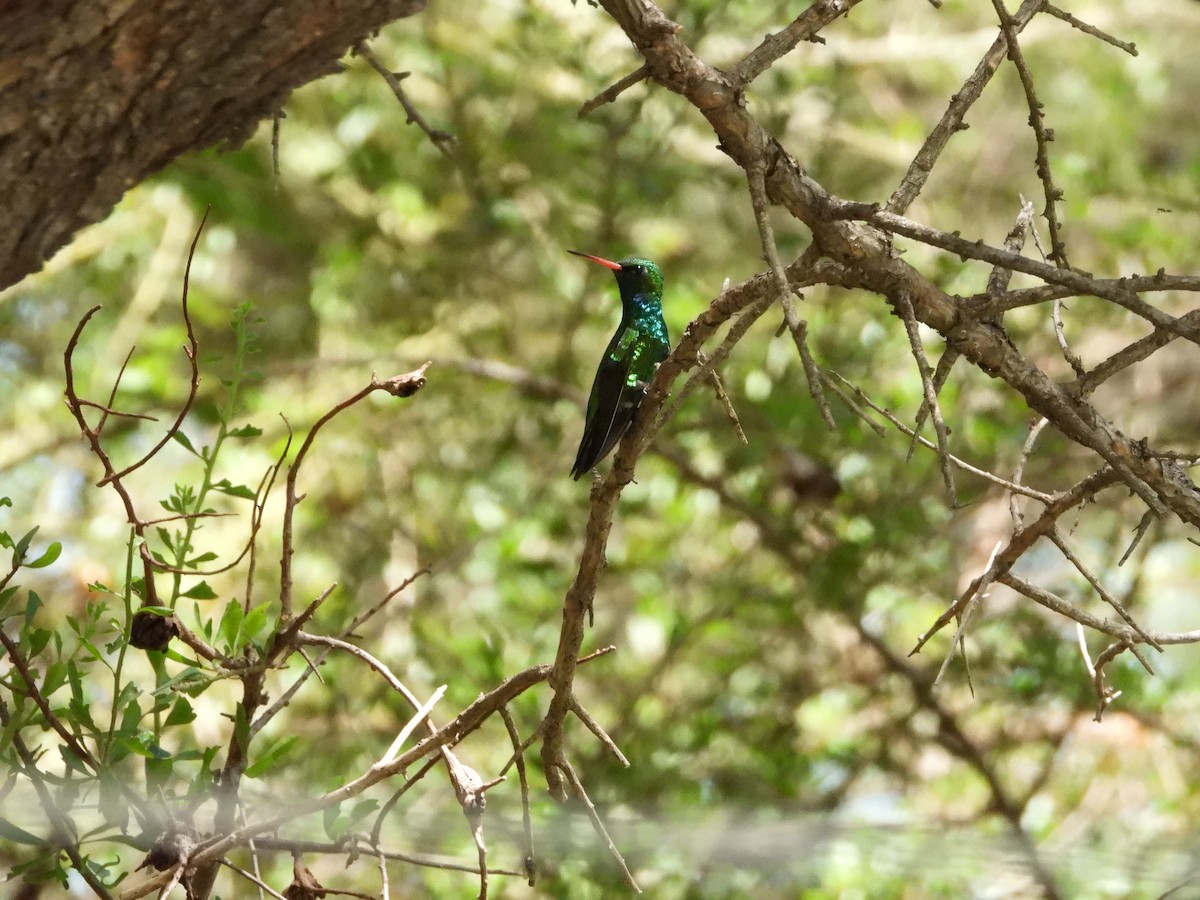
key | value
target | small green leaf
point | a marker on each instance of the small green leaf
(224, 486)
(361, 810)
(38, 639)
(10, 832)
(158, 772)
(329, 820)
(246, 431)
(52, 553)
(181, 713)
(202, 558)
(32, 605)
(130, 717)
(180, 658)
(22, 546)
(56, 677)
(182, 439)
(271, 757)
(73, 762)
(200, 591)
(141, 744)
(255, 622)
(231, 624)
(5, 596)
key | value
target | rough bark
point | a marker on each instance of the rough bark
(94, 97)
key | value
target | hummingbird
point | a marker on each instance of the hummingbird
(628, 364)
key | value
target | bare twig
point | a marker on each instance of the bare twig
(1042, 134)
(398, 386)
(708, 364)
(1014, 505)
(190, 351)
(598, 824)
(905, 311)
(598, 730)
(952, 120)
(1013, 486)
(613, 91)
(797, 326)
(530, 860)
(1022, 540)
(775, 46)
(1095, 32)
(726, 403)
(1068, 354)
(443, 140)
(1060, 542)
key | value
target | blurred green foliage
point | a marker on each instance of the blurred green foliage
(776, 752)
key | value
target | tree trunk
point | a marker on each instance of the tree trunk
(96, 96)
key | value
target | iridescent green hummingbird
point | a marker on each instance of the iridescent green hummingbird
(628, 364)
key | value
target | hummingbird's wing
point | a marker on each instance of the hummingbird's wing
(614, 399)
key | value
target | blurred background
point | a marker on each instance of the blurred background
(763, 597)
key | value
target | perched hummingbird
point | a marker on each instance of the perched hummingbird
(634, 352)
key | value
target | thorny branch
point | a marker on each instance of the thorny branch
(443, 140)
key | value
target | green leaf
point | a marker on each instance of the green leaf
(361, 810)
(131, 715)
(158, 771)
(255, 622)
(231, 624)
(329, 820)
(182, 439)
(5, 596)
(56, 677)
(202, 558)
(38, 639)
(52, 553)
(31, 607)
(246, 431)
(271, 757)
(74, 763)
(22, 546)
(75, 677)
(181, 713)
(143, 745)
(165, 537)
(190, 681)
(113, 805)
(200, 591)
(241, 726)
(10, 832)
(224, 486)
(178, 657)
(6, 735)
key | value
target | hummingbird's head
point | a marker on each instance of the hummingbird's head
(639, 276)
(635, 275)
